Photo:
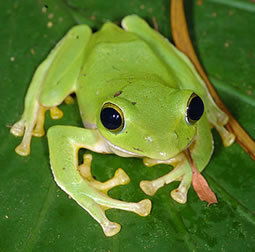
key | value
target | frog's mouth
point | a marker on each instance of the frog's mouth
(120, 151)
(125, 153)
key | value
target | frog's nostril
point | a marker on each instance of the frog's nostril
(175, 136)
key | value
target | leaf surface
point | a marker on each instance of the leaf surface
(35, 215)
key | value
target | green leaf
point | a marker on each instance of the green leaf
(35, 215)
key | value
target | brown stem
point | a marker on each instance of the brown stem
(184, 44)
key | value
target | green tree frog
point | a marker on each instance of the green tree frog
(138, 97)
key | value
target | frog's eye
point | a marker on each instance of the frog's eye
(112, 117)
(195, 109)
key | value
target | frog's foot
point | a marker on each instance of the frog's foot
(101, 201)
(69, 100)
(97, 205)
(218, 120)
(18, 128)
(23, 148)
(181, 173)
(119, 178)
(56, 113)
(180, 194)
(227, 137)
(26, 126)
(172, 161)
(32, 124)
(38, 130)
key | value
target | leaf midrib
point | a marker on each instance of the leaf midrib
(239, 4)
(34, 232)
(230, 90)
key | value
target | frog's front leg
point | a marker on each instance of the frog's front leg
(120, 177)
(75, 180)
(53, 81)
(181, 172)
(201, 152)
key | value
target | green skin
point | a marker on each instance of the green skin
(139, 71)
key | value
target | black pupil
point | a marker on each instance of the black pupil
(195, 109)
(110, 118)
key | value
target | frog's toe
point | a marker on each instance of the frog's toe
(222, 118)
(121, 177)
(143, 207)
(227, 137)
(111, 228)
(147, 162)
(38, 132)
(56, 113)
(179, 195)
(148, 187)
(85, 167)
(69, 100)
(23, 149)
(18, 128)
(151, 162)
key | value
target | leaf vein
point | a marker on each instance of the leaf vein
(233, 91)
(34, 233)
(237, 4)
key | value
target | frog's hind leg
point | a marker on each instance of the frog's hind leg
(53, 81)
(32, 114)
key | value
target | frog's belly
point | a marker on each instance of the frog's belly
(111, 66)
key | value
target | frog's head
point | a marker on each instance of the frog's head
(149, 119)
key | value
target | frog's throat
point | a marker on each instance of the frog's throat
(119, 151)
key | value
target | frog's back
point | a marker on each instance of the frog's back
(116, 58)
